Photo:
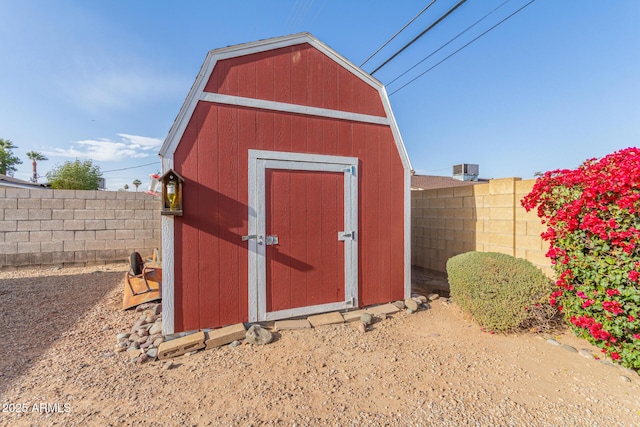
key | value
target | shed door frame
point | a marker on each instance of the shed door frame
(259, 162)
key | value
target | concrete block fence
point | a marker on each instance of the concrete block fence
(75, 227)
(484, 217)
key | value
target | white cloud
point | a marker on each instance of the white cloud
(106, 150)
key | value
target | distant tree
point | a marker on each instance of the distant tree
(137, 183)
(35, 157)
(126, 187)
(7, 159)
(76, 175)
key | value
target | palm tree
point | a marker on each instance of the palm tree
(35, 157)
(126, 187)
(8, 161)
(137, 183)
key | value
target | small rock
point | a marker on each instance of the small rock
(625, 379)
(138, 323)
(143, 307)
(411, 304)
(258, 335)
(421, 299)
(143, 358)
(152, 353)
(382, 316)
(569, 348)
(106, 328)
(433, 297)
(366, 318)
(134, 346)
(168, 365)
(606, 362)
(586, 353)
(433, 334)
(143, 332)
(141, 340)
(156, 328)
(133, 353)
(148, 313)
(399, 304)
(158, 341)
(553, 342)
(122, 336)
(119, 348)
(150, 319)
(157, 309)
(146, 344)
(410, 311)
(234, 343)
(362, 327)
(628, 371)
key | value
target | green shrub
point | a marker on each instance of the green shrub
(502, 293)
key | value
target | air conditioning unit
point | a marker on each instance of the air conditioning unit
(466, 172)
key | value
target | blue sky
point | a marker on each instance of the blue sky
(555, 84)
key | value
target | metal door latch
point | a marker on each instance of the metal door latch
(257, 237)
(344, 235)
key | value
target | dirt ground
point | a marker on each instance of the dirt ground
(431, 368)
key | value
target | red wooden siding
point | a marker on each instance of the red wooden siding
(299, 75)
(211, 276)
(307, 266)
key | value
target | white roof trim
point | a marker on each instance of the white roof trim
(180, 124)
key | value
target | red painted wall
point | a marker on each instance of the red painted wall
(210, 257)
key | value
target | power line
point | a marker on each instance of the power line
(437, 21)
(429, 69)
(399, 31)
(132, 167)
(450, 41)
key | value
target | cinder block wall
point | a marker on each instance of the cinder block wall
(74, 227)
(483, 217)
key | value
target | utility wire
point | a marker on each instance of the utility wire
(450, 41)
(429, 69)
(437, 21)
(132, 167)
(399, 31)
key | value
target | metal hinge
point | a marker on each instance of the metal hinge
(271, 240)
(350, 169)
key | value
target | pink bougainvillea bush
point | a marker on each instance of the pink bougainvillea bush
(593, 219)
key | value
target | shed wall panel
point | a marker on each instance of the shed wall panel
(211, 259)
(298, 74)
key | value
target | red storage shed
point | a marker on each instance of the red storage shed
(296, 192)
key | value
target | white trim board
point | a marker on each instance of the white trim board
(259, 162)
(168, 263)
(291, 108)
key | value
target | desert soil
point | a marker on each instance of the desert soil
(431, 368)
